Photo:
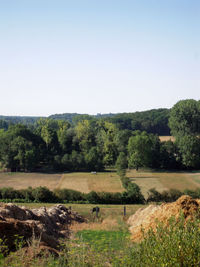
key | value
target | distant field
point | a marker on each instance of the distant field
(103, 181)
(20, 180)
(86, 182)
(165, 180)
(166, 138)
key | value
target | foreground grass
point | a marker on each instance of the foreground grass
(175, 245)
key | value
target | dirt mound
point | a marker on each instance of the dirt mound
(146, 218)
(46, 225)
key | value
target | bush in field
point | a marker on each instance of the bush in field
(192, 193)
(27, 194)
(121, 164)
(153, 195)
(133, 194)
(125, 182)
(110, 198)
(43, 194)
(9, 192)
(93, 197)
(166, 196)
(171, 195)
(69, 195)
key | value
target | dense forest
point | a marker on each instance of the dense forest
(92, 143)
(152, 121)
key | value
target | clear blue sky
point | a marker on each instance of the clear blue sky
(102, 56)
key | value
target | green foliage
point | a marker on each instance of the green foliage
(69, 195)
(43, 194)
(91, 143)
(10, 193)
(166, 196)
(184, 118)
(185, 126)
(174, 245)
(121, 164)
(143, 150)
(169, 156)
(99, 240)
(133, 193)
(192, 193)
(189, 148)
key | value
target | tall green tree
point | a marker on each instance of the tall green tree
(142, 150)
(185, 126)
(185, 118)
(121, 164)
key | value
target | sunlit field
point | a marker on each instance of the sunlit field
(86, 182)
(164, 180)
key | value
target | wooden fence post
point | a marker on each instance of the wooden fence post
(124, 211)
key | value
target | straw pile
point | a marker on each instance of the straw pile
(147, 218)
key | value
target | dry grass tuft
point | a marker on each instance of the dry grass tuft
(107, 224)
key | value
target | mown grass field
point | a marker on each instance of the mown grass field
(103, 181)
(86, 182)
(164, 180)
(20, 180)
(81, 181)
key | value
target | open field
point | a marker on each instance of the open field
(107, 181)
(20, 180)
(107, 212)
(164, 180)
(86, 182)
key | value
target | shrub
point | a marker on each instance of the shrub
(175, 245)
(69, 195)
(93, 197)
(43, 194)
(27, 194)
(9, 192)
(166, 196)
(192, 193)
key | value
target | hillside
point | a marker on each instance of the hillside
(153, 121)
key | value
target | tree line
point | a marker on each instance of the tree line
(94, 144)
(152, 121)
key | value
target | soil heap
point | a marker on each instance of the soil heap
(46, 225)
(147, 218)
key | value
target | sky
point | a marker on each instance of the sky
(97, 56)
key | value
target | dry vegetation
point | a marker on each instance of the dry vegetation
(165, 180)
(106, 211)
(21, 180)
(107, 181)
(86, 182)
